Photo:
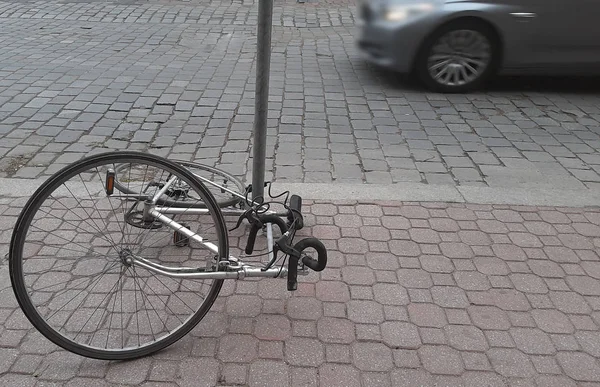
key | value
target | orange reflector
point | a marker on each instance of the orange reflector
(110, 182)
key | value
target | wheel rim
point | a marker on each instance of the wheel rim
(72, 272)
(459, 57)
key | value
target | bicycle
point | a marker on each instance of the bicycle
(119, 255)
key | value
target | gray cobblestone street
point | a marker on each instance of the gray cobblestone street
(177, 79)
(416, 293)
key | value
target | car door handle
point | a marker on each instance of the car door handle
(524, 15)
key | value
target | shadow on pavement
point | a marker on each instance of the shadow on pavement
(549, 84)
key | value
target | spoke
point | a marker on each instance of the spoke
(111, 206)
(97, 210)
(100, 303)
(81, 291)
(163, 302)
(57, 200)
(440, 64)
(163, 284)
(144, 297)
(464, 74)
(476, 62)
(111, 316)
(442, 72)
(63, 238)
(69, 222)
(90, 215)
(467, 66)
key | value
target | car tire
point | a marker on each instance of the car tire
(446, 63)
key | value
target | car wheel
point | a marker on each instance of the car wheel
(458, 57)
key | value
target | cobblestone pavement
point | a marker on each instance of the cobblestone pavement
(176, 78)
(415, 294)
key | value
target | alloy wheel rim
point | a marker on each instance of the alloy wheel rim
(459, 57)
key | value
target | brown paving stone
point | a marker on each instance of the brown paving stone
(302, 376)
(511, 363)
(434, 336)
(529, 283)
(338, 353)
(334, 330)
(584, 285)
(461, 213)
(270, 349)
(424, 235)
(304, 352)
(579, 366)
(488, 317)
(546, 268)
(554, 381)
(449, 297)
(441, 360)
(390, 294)
(268, 372)
(589, 342)
(456, 250)
(368, 312)
(376, 379)
(475, 361)
(358, 275)
(587, 229)
(414, 278)
(592, 269)
(575, 241)
(552, 321)
(472, 280)
(474, 238)
(335, 291)
(443, 224)
(436, 264)
(398, 334)
(372, 356)
(406, 358)
(509, 252)
(561, 254)
(540, 228)
(427, 315)
(466, 338)
(272, 327)
(404, 248)
(532, 341)
(570, 302)
(491, 266)
(304, 308)
(238, 348)
(337, 375)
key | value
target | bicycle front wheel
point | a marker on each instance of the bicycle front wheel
(72, 250)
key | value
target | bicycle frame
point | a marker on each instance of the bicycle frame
(232, 268)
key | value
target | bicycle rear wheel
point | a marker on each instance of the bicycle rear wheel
(71, 266)
(227, 189)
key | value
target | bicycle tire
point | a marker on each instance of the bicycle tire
(18, 266)
(223, 198)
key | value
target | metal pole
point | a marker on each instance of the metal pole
(261, 104)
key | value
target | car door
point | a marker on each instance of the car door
(566, 33)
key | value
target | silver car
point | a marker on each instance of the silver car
(456, 45)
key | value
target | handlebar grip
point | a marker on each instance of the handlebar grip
(295, 212)
(252, 238)
(318, 264)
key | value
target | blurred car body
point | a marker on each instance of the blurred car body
(456, 45)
